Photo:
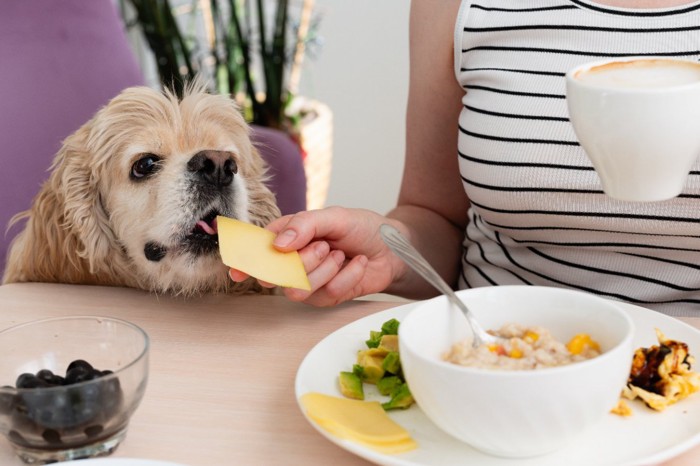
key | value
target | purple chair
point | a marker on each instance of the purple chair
(287, 176)
(60, 61)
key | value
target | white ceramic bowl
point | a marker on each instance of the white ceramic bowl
(516, 413)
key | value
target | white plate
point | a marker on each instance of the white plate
(645, 438)
(118, 462)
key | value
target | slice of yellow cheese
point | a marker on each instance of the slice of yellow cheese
(363, 422)
(249, 249)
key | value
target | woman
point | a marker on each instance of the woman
(528, 207)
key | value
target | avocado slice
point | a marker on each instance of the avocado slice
(400, 399)
(351, 386)
(390, 327)
(389, 343)
(372, 369)
(387, 385)
(392, 363)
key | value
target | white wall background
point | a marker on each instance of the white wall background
(361, 73)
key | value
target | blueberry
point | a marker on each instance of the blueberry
(16, 437)
(93, 430)
(112, 397)
(45, 375)
(79, 363)
(88, 393)
(48, 408)
(78, 374)
(27, 380)
(85, 403)
(58, 380)
(54, 413)
(51, 436)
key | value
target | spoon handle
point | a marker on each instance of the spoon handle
(402, 248)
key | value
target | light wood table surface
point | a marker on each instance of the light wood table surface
(222, 370)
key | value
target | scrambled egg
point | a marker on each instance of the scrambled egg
(661, 375)
(622, 408)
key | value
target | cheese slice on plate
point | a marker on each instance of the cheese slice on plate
(248, 248)
(363, 422)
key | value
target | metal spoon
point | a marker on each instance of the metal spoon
(410, 255)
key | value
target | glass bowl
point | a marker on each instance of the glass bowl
(69, 385)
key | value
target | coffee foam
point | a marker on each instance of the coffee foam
(641, 74)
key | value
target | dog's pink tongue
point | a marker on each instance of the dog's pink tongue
(208, 229)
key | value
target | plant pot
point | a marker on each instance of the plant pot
(316, 140)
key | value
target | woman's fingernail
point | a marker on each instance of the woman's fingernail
(285, 238)
(338, 257)
(321, 250)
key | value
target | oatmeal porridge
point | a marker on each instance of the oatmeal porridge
(524, 348)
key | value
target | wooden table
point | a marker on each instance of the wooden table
(222, 369)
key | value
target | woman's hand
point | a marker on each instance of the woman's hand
(341, 250)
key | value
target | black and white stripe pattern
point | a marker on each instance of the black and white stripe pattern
(539, 215)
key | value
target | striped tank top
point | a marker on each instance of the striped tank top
(538, 214)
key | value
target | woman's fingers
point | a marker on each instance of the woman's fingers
(238, 276)
(296, 231)
(314, 254)
(331, 285)
(324, 271)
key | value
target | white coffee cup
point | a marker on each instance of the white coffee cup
(638, 119)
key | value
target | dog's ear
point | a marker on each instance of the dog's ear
(76, 180)
(66, 236)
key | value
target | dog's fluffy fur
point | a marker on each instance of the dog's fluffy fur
(125, 199)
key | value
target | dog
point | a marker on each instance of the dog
(132, 197)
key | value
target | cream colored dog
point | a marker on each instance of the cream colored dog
(133, 194)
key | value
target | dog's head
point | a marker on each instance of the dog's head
(133, 194)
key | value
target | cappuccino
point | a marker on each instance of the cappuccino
(641, 74)
(637, 119)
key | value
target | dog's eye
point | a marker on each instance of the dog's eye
(145, 166)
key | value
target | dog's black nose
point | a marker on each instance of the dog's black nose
(214, 167)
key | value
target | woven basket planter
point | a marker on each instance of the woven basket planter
(316, 139)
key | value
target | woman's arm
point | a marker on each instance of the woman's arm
(432, 202)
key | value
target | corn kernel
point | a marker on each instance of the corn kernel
(531, 336)
(515, 353)
(498, 349)
(580, 342)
